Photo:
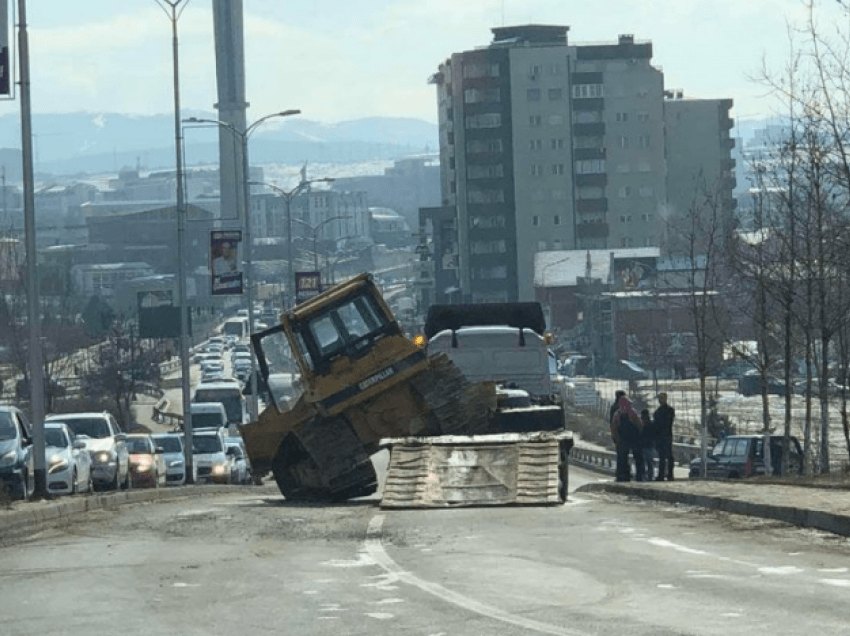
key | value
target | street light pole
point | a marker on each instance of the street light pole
(173, 13)
(315, 231)
(249, 283)
(287, 197)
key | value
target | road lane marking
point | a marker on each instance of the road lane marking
(374, 547)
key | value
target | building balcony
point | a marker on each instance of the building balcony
(592, 206)
(588, 103)
(589, 130)
(592, 229)
(597, 179)
(589, 153)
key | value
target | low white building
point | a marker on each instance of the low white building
(102, 279)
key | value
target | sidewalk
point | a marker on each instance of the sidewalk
(823, 508)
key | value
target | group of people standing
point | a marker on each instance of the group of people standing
(641, 437)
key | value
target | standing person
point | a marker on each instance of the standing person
(663, 420)
(626, 425)
(648, 442)
(614, 436)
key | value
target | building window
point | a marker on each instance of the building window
(533, 94)
(587, 142)
(493, 171)
(557, 144)
(646, 218)
(535, 144)
(487, 222)
(557, 219)
(623, 168)
(587, 117)
(535, 221)
(557, 169)
(535, 170)
(542, 246)
(625, 192)
(535, 71)
(590, 192)
(644, 141)
(644, 167)
(482, 146)
(478, 95)
(588, 90)
(485, 196)
(556, 69)
(495, 272)
(481, 69)
(556, 120)
(643, 116)
(623, 142)
(556, 94)
(484, 120)
(646, 191)
(535, 120)
(590, 166)
(623, 117)
(488, 247)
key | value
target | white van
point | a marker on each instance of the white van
(208, 415)
(228, 393)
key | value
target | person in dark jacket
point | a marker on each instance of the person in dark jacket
(663, 421)
(648, 442)
(625, 429)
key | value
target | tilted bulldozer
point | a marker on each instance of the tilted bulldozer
(362, 381)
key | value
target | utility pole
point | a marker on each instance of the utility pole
(174, 10)
(36, 374)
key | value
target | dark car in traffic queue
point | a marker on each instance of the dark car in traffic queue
(739, 456)
(16, 455)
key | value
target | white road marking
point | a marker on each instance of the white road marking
(664, 543)
(376, 550)
(836, 570)
(180, 584)
(379, 615)
(388, 601)
(785, 569)
(836, 582)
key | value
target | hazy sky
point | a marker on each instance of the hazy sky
(345, 59)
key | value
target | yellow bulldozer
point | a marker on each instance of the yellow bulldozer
(362, 381)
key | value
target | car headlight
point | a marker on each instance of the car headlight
(9, 459)
(219, 469)
(142, 463)
(57, 464)
(102, 457)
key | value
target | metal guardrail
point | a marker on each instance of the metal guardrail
(606, 461)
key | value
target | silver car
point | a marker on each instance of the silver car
(175, 460)
(68, 461)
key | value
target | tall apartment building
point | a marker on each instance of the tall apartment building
(699, 155)
(547, 146)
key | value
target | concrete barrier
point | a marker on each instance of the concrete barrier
(27, 518)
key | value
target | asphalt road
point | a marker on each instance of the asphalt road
(249, 563)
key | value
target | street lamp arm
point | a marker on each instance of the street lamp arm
(284, 113)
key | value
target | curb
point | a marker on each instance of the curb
(19, 524)
(818, 519)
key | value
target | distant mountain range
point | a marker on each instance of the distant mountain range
(76, 144)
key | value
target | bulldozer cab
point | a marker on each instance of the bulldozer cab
(335, 341)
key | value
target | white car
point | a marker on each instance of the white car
(239, 474)
(68, 461)
(105, 444)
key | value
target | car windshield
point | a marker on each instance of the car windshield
(7, 427)
(55, 437)
(207, 420)
(138, 445)
(169, 443)
(206, 444)
(94, 427)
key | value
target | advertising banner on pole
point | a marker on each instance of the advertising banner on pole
(159, 317)
(307, 285)
(5, 70)
(225, 262)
